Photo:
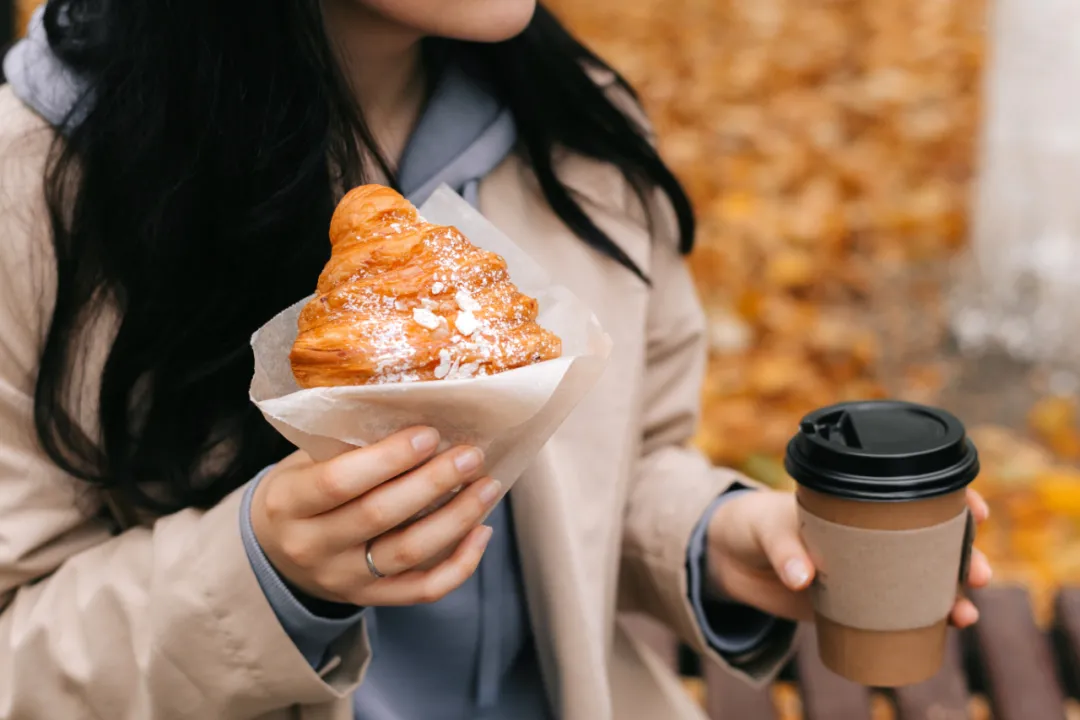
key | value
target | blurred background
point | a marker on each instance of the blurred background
(883, 195)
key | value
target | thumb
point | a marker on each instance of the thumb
(787, 555)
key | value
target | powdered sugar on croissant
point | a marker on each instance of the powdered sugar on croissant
(402, 300)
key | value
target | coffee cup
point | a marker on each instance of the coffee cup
(883, 513)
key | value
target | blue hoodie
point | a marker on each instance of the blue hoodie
(471, 654)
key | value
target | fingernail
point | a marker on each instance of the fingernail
(468, 460)
(425, 440)
(490, 492)
(483, 537)
(796, 574)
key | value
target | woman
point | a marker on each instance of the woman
(169, 171)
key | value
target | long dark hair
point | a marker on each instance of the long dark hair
(191, 195)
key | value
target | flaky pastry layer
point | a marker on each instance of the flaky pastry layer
(403, 300)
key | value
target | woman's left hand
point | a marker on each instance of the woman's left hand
(757, 558)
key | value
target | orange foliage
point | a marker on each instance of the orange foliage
(825, 144)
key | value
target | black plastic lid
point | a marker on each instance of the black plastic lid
(882, 450)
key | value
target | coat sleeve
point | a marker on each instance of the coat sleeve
(673, 484)
(162, 621)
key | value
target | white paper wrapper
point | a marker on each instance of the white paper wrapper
(509, 416)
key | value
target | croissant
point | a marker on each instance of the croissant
(403, 300)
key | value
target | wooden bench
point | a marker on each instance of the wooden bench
(1006, 661)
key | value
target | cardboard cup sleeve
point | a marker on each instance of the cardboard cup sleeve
(886, 580)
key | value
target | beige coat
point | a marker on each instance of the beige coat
(168, 621)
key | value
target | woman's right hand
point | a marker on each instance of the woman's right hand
(315, 520)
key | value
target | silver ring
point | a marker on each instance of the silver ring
(371, 563)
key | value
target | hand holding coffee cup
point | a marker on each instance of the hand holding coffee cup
(757, 554)
(883, 512)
